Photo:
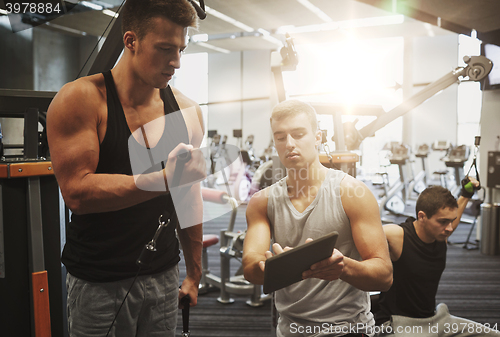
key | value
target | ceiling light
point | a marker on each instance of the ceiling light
(228, 19)
(346, 24)
(209, 46)
(66, 29)
(91, 5)
(199, 38)
(319, 13)
(110, 13)
(429, 30)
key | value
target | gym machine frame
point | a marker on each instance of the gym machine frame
(27, 104)
(477, 68)
(231, 246)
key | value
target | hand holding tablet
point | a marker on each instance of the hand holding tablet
(286, 268)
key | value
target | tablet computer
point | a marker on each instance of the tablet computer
(286, 268)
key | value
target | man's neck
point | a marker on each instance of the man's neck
(133, 92)
(419, 229)
(311, 176)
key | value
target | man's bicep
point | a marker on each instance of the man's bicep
(73, 139)
(363, 212)
(395, 236)
(258, 235)
(193, 117)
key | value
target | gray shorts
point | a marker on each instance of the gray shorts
(150, 309)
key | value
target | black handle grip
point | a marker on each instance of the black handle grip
(184, 157)
(185, 301)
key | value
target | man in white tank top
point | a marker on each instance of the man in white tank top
(309, 202)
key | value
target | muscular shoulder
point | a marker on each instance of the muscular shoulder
(84, 90)
(192, 115)
(395, 238)
(258, 202)
(349, 182)
(183, 101)
(356, 195)
(79, 100)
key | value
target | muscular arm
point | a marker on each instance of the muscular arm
(395, 239)
(72, 129)
(462, 204)
(374, 272)
(257, 238)
(191, 238)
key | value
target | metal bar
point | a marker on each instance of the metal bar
(280, 87)
(31, 133)
(412, 102)
(17, 101)
(41, 304)
(35, 239)
(2, 247)
(35, 229)
(110, 51)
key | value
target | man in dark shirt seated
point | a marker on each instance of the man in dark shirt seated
(418, 253)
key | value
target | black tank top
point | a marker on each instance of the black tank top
(416, 276)
(104, 247)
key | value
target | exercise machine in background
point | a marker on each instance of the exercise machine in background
(456, 159)
(227, 167)
(394, 197)
(231, 247)
(420, 180)
(442, 146)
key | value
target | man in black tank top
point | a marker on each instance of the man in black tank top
(92, 127)
(418, 251)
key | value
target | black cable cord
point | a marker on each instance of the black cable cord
(123, 302)
(100, 38)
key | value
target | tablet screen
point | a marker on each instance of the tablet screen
(286, 268)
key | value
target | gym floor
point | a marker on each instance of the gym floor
(470, 286)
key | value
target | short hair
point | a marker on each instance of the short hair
(292, 108)
(434, 198)
(137, 15)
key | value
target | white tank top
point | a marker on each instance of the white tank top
(315, 301)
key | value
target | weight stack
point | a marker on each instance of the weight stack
(490, 229)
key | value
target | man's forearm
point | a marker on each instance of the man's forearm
(370, 275)
(462, 204)
(98, 193)
(251, 268)
(191, 239)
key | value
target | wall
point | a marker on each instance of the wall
(56, 59)
(16, 58)
(490, 131)
(16, 72)
(435, 119)
(38, 59)
(238, 93)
